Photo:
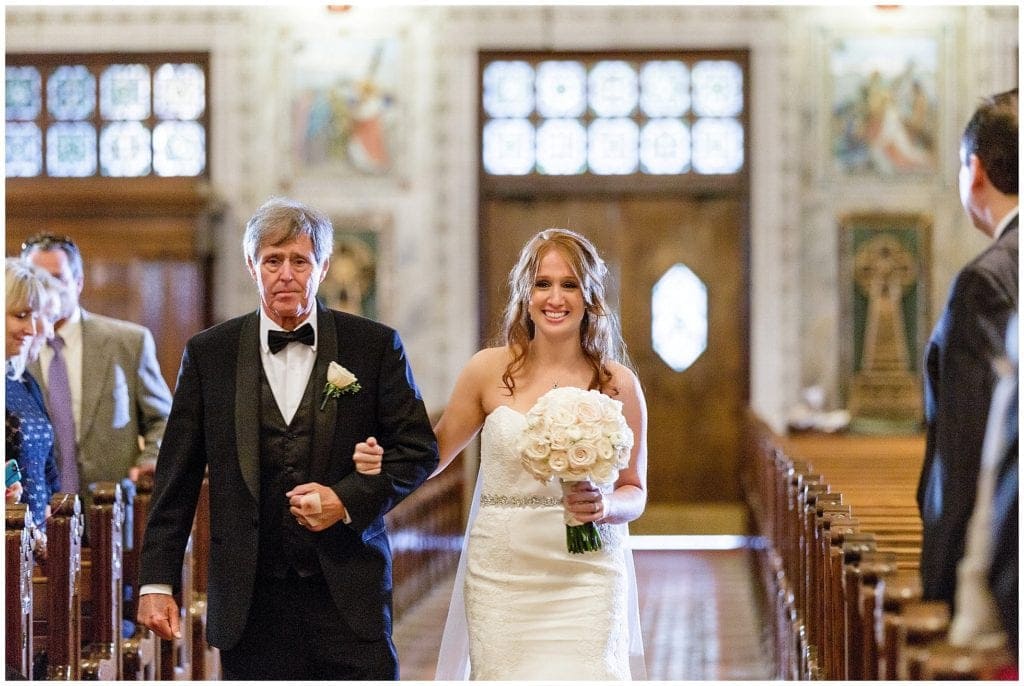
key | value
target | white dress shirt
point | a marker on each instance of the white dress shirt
(288, 370)
(71, 332)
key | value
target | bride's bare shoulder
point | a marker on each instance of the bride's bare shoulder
(491, 359)
(623, 381)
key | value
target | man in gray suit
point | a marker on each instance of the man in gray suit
(959, 376)
(108, 392)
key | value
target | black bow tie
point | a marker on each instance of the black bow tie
(277, 340)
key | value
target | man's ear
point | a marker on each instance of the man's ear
(251, 267)
(323, 272)
(979, 177)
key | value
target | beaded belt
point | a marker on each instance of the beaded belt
(519, 500)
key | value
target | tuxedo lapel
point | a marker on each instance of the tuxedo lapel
(324, 422)
(247, 393)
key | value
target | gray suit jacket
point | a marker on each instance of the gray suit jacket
(124, 397)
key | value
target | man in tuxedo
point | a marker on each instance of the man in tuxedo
(101, 378)
(959, 377)
(300, 566)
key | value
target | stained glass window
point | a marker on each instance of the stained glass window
(717, 89)
(679, 317)
(125, 149)
(179, 148)
(613, 88)
(664, 88)
(612, 116)
(24, 93)
(613, 146)
(508, 89)
(508, 146)
(179, 91)
(88, 115)
(71, 93)
(124, 92)
(561, 89)
(665, 147)
(717, 146)
(24, 149)
(71, 149)
(561, 147)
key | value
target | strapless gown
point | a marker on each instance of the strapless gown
(534, 610)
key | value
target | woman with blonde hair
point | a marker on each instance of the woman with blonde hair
(524, 607)
(28, 431)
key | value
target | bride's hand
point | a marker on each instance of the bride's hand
(586, 502)
(368, 456)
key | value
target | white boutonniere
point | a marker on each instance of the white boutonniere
(339, 382)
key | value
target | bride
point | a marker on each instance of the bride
(523, 606)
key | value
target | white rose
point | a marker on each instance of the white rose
(558, 461)
(588, 411)
(535, 449)
(559, 438)
(339, 377)
(605, 450)
(582, 455)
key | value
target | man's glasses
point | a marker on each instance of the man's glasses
(46, 241)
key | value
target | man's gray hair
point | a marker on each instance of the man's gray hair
(280, 220)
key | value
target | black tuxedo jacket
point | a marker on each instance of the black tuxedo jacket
(958, 385)
(214, 423)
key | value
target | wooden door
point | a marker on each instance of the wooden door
(695, 414)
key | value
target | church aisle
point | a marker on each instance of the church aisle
(698, 614)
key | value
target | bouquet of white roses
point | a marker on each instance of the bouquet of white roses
(576, 435)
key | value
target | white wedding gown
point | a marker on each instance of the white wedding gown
(533, 610)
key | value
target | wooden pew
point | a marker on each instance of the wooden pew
(57, 616)
(425, 532)
(18, 579)
(843, 537)
(102, 577)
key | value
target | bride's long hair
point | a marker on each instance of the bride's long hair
(600, 335)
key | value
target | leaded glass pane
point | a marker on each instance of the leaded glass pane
(179, 148)
(124, 92)
(613, 88)
(717, 146)
(23, 149)
(561, 89)
(561, 147)
(24, 93)
(613, 146)
(717, 89)
(71, 149)
(665, 147)
(508, 89)
(679, 317)
(125, 149)
(664, 88)
(179, 91)
(71, 93)
(508, 146)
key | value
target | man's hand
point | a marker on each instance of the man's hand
(303, 508)
(159, 612)
(368, 456)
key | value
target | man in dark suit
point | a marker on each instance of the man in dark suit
(300, 566)
(959, 377)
